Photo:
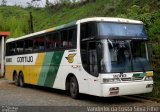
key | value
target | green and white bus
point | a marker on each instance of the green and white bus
(99, 56)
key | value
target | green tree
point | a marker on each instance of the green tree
(4, 2)
(47, 3)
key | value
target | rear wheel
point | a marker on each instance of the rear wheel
(74, 89)
(21, 80)
(16, 79)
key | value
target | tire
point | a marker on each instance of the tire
(73, 88)
(21, 80)
(16, 79)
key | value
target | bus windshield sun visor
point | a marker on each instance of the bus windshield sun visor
(121, 30)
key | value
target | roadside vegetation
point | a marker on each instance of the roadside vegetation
(15, 19)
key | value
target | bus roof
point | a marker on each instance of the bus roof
(110, 19)
(105, 19)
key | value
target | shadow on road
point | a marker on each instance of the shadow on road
(84, 97)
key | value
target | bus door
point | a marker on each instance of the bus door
(92, 62)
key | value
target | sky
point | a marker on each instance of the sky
(24, 2)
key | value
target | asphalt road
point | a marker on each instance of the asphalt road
(35, 97)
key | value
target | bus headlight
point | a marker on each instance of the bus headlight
(111, 80)
(148, 78)
(149, 74)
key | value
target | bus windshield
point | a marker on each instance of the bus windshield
(123, 56)
(114, 47)
(121, 29)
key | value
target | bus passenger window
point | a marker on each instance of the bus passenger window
(35, 48)
(13, 48)
(19, 48)
(49, 41)
(64, 40)
(10, 48)
(28, 45)
(7, 49)
(52, 41)
(72, 39)
(39, 44)
(69, 37)
(56, 40)
(88, 30)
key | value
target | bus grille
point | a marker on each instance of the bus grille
(132, 79)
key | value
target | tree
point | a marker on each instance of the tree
(88, 0)
(48, 4)
(4, 2)
(34, 3)
(73, 1)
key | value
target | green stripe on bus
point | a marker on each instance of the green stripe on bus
(53, 69)
(139, 74)
(45, 68)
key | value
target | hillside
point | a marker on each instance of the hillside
(15, 18)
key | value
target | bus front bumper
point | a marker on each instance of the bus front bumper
(129, 88)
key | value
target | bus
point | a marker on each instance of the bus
(100, 56)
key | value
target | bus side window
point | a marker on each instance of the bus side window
(69, 37)
(64, 38)
(7, 49)
(56, 40)
(19, 48)
(52, 41)
(28, 45)
(12, 48)
(88, 30)
(49, 41)
(39, 43)
(72, 38)
(35, 45)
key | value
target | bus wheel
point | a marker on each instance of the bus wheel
(16, 79)
(74, 89)
(21, 80)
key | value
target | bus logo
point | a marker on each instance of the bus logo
(25, 59)
(120, 76)
(70, 58)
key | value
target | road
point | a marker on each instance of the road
(12, 95)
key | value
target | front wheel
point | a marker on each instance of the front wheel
(74, 89)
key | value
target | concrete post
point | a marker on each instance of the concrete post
(2, 56)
